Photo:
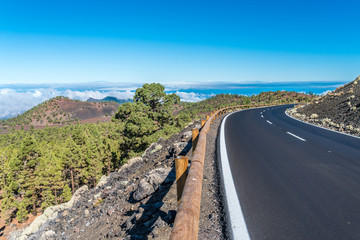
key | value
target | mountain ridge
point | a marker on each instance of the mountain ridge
(110, 99)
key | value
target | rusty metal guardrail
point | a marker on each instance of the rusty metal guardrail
(186, 225)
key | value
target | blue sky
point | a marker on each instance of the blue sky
(178, 41)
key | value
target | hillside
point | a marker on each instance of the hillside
(123, 204)
(338, 110)
(226, 100)
(44, 167)
(61, 111)
(110, 99)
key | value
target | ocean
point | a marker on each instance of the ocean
(17, 98)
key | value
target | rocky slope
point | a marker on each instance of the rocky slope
(136, 202)
(338, 110)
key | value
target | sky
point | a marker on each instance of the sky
(83, 49)
(178, 41)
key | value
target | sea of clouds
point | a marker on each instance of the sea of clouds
(16, 101)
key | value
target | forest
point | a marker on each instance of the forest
(44, 167)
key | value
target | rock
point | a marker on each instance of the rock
(151, 183)
(87, 213)
(187, 134)
(156, 148)
(314, 116)
(96, 196)
(349, 127)
(124, 183)
(103, 180)
(110, 211)
(180, 146)
(129, 223)
(131, 163)
(158, 223)
(48, 235)
(143, 190)
(65, 213)
(106, 192)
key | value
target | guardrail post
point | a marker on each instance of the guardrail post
(203, 121)
(181, 165)
(195, 134)
(207, 117)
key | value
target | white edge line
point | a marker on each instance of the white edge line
(236, 217)
(269, 122)
(296, 136)
(346, 134)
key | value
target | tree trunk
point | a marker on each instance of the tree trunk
(34, 201)
(108, 168)
(72, 181)
(55, 197)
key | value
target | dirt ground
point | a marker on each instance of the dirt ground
(212, 224)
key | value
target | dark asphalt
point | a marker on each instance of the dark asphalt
(293, 189)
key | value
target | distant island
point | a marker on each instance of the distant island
(110, 99)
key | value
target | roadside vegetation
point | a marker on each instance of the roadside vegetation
(200, 109)
(43, 167)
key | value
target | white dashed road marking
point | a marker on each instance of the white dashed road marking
(296, 136)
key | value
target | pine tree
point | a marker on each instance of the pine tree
(29, 155)
(72, 161)
(94, 165)
(48, 199)
(22, 213)
(8, 204)
(66, 195)
(49, 173)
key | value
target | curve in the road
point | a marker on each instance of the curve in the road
(294, 180)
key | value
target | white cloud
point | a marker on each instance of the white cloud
(190, 97)
(324, 93)
(14, 102)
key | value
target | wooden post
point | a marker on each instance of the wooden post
(195, 134)
(181, 165)
(203, 121)
(207, 117)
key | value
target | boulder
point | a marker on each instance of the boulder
(130, 164)
(151, 183)
(187, 134)
(156, 148)
(103, 180)
(48, 235)
(314, 116)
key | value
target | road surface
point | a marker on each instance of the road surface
(294, 180)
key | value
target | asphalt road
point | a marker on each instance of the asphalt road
(294, 180)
